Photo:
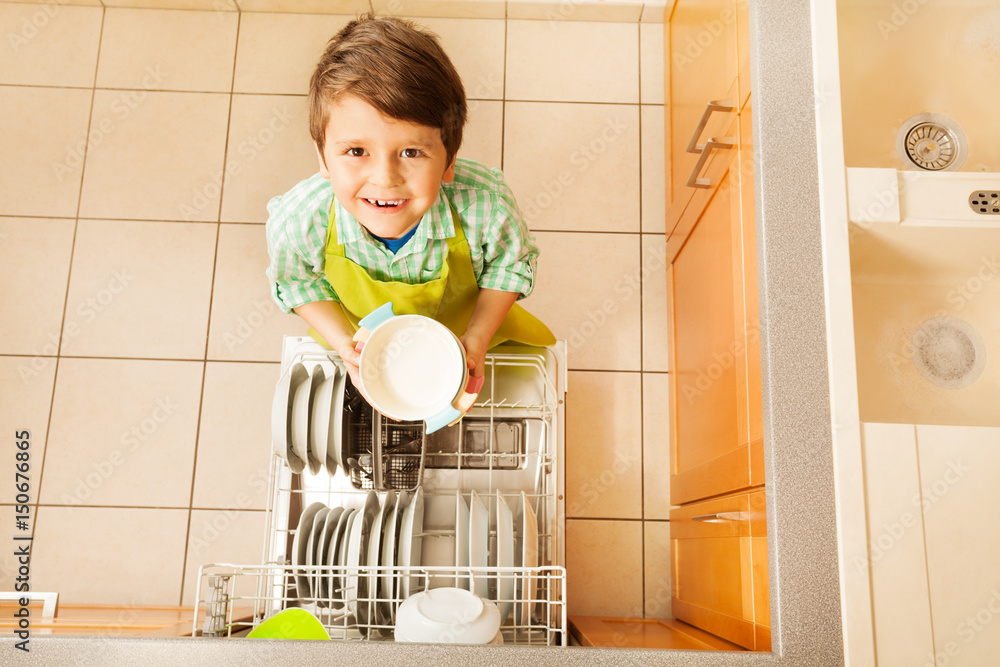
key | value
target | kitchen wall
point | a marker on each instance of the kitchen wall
(138, 341)
(900, 59)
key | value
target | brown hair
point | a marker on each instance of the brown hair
(397, 67)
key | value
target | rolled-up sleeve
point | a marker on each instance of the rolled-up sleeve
(509, 250)
(295, 247)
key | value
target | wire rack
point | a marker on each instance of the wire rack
(508, 444)
(237, 598)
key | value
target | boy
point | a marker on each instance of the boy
(392, 214)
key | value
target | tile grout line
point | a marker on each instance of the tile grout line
(503, 93)
(105, 358)
(642, 346)
(211, 296)
(170, 508)
(69, 270)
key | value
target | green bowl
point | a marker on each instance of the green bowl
(292, 623)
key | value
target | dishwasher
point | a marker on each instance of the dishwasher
(505, 456)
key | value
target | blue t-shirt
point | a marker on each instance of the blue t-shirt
(395, 244)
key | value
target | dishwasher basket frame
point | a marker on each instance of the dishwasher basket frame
(524, 384)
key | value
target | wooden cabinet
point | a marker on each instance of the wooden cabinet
(715, 335)
(720, 566)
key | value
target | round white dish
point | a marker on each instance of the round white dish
(339, 580)
(375, 546)
(412, 367)
(312, 547)
(322, 581)
(410, 543)
(319, 426)
(334, 444)
(301, 408)
(505, 557)
(479, 544)
(300, 545)
(357, 556)
(389, 582)
(281, 416)
(447, 616)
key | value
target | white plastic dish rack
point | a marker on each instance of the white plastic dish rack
(510, 442)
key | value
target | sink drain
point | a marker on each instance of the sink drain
(948, 352)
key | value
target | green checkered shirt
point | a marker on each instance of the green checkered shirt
(502, 249)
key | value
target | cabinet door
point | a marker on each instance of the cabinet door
(719, 551)
(707, 458)
(747, 318)
(703, 67)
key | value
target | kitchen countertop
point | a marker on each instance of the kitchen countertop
(803, 549)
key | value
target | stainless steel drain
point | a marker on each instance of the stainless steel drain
(948, 352)
(932, 142)
(985, 202)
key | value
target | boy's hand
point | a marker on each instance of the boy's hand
(351, 359)
(475, 352)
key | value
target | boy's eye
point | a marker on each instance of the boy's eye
(356, 152)
(411, 152)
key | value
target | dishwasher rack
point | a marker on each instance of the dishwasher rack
(509, 442)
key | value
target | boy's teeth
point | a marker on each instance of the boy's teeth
(385, 202)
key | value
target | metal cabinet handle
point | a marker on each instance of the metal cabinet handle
(710, 145)
(719, 517)
(715, 105)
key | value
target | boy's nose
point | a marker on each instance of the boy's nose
(385, 173)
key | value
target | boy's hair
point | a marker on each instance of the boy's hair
(396, 67)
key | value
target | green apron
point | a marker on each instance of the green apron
(449, 298)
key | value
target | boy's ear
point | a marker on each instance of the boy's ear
(323, 171)
(449, 173)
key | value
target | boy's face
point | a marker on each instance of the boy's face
(385, 172)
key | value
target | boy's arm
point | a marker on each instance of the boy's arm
(491, 309)
(327, 317)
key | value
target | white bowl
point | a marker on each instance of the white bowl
(447, 616)
(412, 367)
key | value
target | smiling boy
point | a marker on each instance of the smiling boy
(393, 214)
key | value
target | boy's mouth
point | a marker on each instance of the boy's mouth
(386, 204)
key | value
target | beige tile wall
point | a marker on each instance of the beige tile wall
(138, 340)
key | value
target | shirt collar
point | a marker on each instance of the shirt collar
(437, 223)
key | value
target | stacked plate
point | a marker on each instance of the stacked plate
(357, 541)
(307, 429)
(472, 536)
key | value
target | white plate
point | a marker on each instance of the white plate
(375, 547)
(505, 557)
(301, 407)
(319, 426)
(299, 546)
(479, 543)
(321, 589)
(529, 559)
(337, 586)
(410, 543)
(333, 452)
(312, 549)
(412, 367)
(389, 583)
(281, 416)
(357, 555)
(461, 540)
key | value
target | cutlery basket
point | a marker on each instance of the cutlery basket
(388, 455)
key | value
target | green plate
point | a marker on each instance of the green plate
(292, 623)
